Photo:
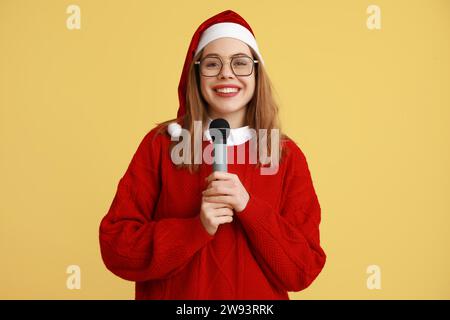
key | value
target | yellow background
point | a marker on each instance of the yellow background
(370, 109)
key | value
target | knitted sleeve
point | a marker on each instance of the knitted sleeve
(133, 245)
(286, 242)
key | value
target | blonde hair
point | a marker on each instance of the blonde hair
(262, 109)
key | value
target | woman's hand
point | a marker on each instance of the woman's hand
(226, 188)
(214, 214)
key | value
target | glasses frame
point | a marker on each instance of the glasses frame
(198, 62)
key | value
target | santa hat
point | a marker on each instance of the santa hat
(225, 24)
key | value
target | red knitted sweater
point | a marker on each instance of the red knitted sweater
(152, 233)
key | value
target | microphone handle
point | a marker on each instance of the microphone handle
(220, 157)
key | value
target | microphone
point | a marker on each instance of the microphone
(219, 129)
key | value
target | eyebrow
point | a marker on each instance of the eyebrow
(233, 55)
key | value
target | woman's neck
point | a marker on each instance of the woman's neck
(235, 119)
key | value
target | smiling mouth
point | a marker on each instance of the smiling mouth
(227, 90)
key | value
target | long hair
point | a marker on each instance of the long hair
(261, 113)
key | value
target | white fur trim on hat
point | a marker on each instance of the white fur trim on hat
(174, 130)
(228, 30)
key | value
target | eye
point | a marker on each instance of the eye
(241, 62)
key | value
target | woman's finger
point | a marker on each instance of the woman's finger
(223, 212)
(220, 183)
(219, 199)
(219, 205)
(219, 175)
(225, 219)
(216, 191)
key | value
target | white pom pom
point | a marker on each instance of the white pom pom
(174, 130)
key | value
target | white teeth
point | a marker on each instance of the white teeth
(227, 90)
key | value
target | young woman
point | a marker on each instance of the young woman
(181, 231)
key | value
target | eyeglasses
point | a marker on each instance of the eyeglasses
(241, 66)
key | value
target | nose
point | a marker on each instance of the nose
(226, 71)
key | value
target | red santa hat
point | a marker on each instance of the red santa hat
(225, 24)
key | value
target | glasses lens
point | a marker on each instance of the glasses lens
(210, 66)
(242, 66)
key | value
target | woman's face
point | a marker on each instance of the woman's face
(226, 103)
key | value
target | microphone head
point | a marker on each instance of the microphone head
(219, 129)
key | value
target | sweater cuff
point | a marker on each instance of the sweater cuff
(256, 212)
(197, 233)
